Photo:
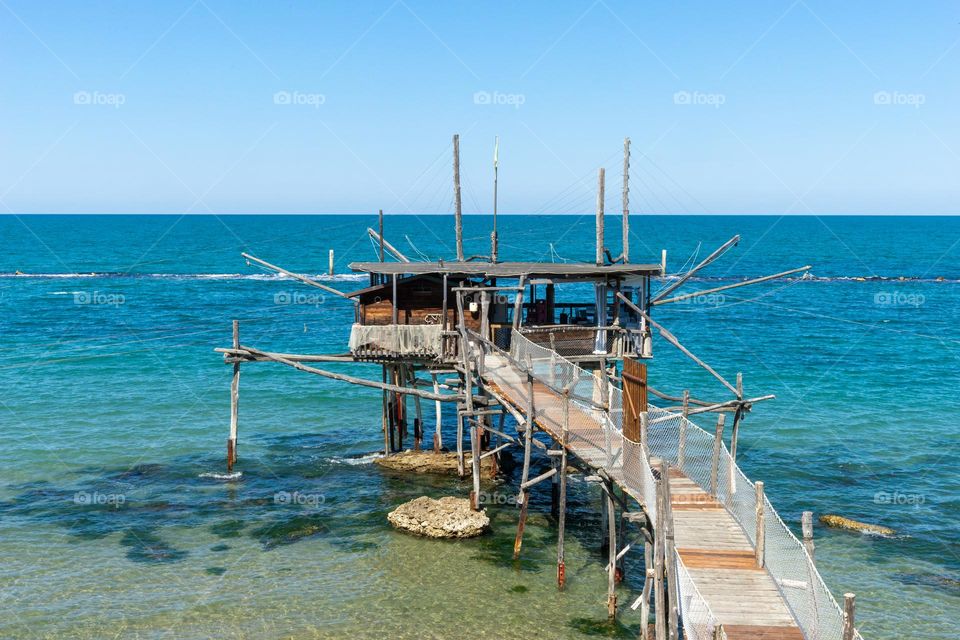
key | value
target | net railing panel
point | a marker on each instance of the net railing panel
(399, 339)
(675, 439)
(696, 617)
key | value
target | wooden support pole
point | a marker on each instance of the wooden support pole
(737, 416)
(682, 446)
(461, 470)
(457, 210)
(331, 262)
(761, 526)
(437, 436)
(234, 402)
(518, 541)
(562, 509)
(518, 306)
(649, 574)
(626, 200)
(717, 447)
(600, 197)
(659, 597)
(673, 595)
(524, 496)
(475, 464)
(612, 553)
(387, 424)
(418, 420)
(849, 609)
(806, 525)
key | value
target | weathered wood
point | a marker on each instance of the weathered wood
(475, 463)
(437, 435)
(806, 525)
(626, 200)
(689, 274)
(418, 420)
(378, 237)
(380, 244)
(849, 609)
(562, 508)
(331, 262)
(518, 306)
(387, 436)
(296, 276)
(673, 594)
(457, 205)
(612, 552)
(634, 396)
(649, 575)
(761, 526)
(717, 447)
(659, 597)
(521, 524)
(735, 285)
(600, 198)
(234, 402)
(682, 444)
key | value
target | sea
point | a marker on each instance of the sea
(118, 518)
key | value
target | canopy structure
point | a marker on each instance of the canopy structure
(529, 270)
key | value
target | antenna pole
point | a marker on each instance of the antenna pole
(626, 200)
(458, 211)
(381, 234)
(493, 234)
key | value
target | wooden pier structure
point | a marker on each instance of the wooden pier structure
(566, 380)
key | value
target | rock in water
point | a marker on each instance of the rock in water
(429, 462)
(839, 522)
(444, 518)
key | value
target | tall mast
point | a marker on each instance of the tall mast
(458, 212)
(600, 185)
(493, 234)
(626, 200)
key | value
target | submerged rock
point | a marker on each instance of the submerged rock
(444, 463)
(839, 522)
(447, 517)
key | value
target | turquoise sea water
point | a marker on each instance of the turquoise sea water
(115, 520)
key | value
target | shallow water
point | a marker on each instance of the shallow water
(115, 519)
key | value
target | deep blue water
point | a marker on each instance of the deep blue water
(114, 413)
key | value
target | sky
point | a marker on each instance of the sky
(199, 106)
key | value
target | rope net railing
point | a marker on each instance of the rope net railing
(674, 439)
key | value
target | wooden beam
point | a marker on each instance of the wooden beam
(689, 274)
(297, 276)
(386, 245)
(717, 447)
(730, 286)
(353, 380)
(761, 526)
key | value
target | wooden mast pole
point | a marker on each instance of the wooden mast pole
(600, 196)
(458, 210)
(626, 200)
(493, 234)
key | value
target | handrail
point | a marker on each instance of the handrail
(810, 601)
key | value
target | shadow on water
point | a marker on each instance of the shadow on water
(143, 545)
(602, 627)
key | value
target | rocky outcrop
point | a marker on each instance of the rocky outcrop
(444, 463)
(839, 522)
(447, 517)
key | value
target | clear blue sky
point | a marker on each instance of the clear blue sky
(738, 107)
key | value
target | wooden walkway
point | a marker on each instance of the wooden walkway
(713, 546)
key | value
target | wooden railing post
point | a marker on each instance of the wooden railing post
(717, 447)
(761, 526)
(848, 615)
(682, 447)
(562, 510)
(806, 524)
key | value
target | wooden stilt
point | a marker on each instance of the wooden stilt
(682, 446)
(717, 446)
(761, 526)
(475, 464)
(669, 560)
(659, 599)
(234, 402)
(387, 433)
(806, 525)
(418, 420)
(437, 437)
(650, 574)
(849, 606)
(518, 541)
(461, 471)
(562, 508)
(612, 553)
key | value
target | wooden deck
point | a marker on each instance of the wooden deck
(716, 551)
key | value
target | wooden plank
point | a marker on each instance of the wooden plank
(717, 559)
